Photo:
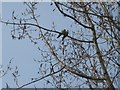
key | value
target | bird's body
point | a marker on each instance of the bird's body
(64, 32)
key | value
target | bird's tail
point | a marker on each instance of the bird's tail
(58, 35)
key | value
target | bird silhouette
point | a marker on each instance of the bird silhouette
(64, 32)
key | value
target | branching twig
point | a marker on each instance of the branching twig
(45, 30)
(39, 79)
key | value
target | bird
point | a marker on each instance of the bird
(64, 32)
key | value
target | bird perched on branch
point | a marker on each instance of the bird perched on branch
(64, 32)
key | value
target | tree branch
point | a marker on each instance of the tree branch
(45, 30)
(39, 79)
(71, 17)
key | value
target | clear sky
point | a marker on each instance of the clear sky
(23, 51)
(0, 42)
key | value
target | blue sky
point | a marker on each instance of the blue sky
(0, 42)
(23, 51)
(13, 48)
